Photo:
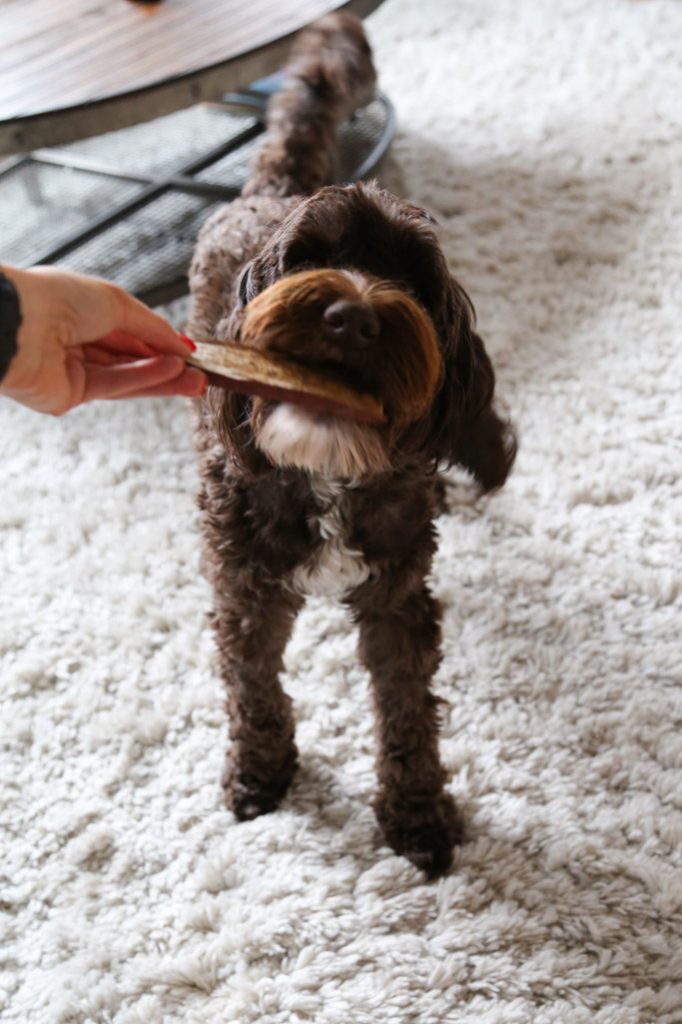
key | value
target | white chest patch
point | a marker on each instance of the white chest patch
(336, 568)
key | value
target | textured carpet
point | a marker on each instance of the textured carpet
(546, 140)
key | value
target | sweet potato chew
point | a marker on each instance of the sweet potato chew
(272, 376)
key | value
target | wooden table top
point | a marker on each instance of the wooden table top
(70, 68)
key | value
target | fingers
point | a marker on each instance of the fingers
(102, 356)
(118, 347)
(144, 324)
(143, 377)
(123, 344)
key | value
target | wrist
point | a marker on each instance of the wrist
(45, 326)
(10, 321)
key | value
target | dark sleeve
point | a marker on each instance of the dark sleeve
(10, 320)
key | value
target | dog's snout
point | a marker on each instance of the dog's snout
(350, 323)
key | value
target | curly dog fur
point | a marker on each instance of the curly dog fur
(352, 280)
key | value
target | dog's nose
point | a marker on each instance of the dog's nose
(350, 323)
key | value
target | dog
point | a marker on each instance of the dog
(349, 280)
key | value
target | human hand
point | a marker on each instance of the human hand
(82, 338)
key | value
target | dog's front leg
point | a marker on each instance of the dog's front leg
(400, 645)
(252, 629)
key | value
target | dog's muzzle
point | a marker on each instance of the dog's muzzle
(368, 334)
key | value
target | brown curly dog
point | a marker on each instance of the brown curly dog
(350, 280)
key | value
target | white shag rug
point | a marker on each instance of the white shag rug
(545, 137)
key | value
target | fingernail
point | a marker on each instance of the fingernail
(188, 341)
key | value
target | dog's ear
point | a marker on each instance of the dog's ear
(230, 416)
(229, 412)
(464, 427)
(486, 443)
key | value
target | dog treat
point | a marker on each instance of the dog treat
(274, 377)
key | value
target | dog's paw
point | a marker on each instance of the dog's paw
(249, 793)
(424, 832)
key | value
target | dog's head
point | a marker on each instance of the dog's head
(354, 283)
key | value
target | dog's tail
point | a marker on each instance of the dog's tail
(329, 76)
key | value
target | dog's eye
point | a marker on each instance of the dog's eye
(303, 265)
(244, 286)
(428, 217)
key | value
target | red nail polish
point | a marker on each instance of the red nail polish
(188, 341)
